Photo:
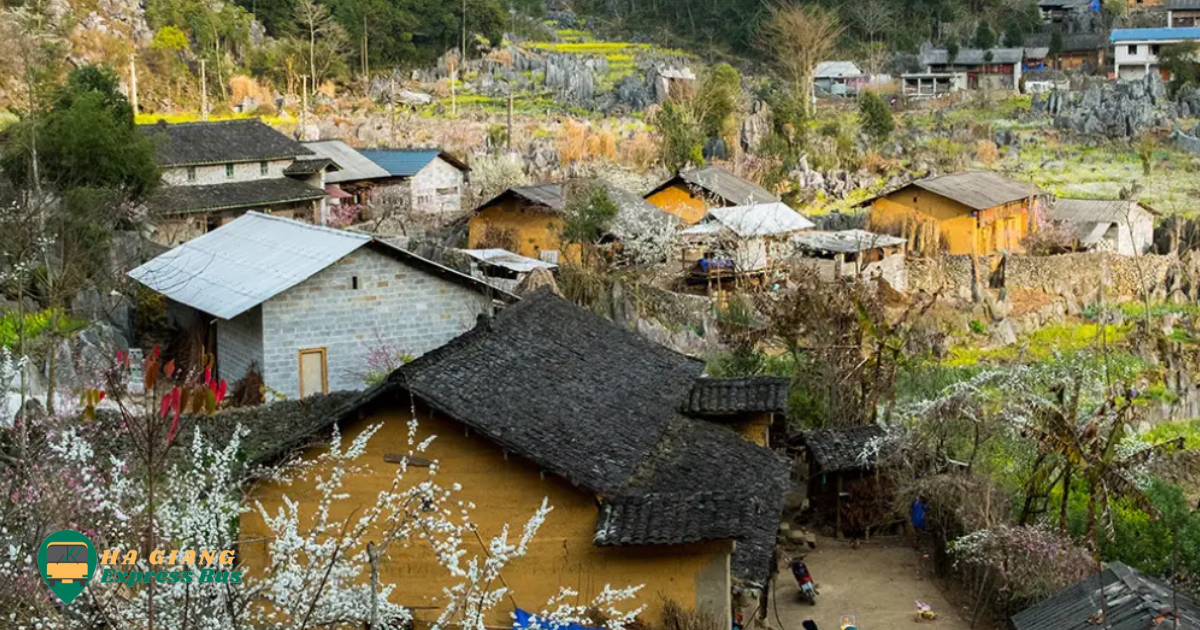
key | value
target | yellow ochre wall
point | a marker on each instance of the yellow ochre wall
(507, 490)
(536, 228)
(678, 200)
(1002, 227)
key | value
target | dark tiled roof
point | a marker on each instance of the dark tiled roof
(839, 450)
(724, 396)
(703, 482)
(246, 140)
(309, 166)
(1133, 602)
(583, 398)
(211, 197)
(720, 182)
(1072, 42)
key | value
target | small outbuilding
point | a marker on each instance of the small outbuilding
(1119, 598)
(838, 78)
(854, 254)
(433, 180)
(742, 239)
(843, 490)
(502, 268)
(1124, 227)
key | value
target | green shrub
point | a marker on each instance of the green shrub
(874, 116)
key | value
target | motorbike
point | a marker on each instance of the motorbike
(808, 589)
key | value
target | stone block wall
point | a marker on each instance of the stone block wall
(215, 173)
(1080, 274)
(239, 344)
(395, 305)
(437, 188)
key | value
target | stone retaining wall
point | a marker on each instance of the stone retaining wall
(1080, 274)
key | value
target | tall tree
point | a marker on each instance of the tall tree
(984, 38)
(325, 41)
(799, 37)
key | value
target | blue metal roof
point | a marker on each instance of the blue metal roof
(1153, 34)
(402, 163)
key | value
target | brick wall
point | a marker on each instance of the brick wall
(406, 308)
(215, 173)
(437, 188)
(239, 343)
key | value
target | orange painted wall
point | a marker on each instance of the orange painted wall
(536, 229)
(678, 200)
(507, 490)
(997, 228)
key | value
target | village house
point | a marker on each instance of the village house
(690, 194)
(1124, 227)
(1066, 11)
(854, 254)
(994, 69)
(213, 172)
(528, 220)
(922, 85)
(1135, 50)
(838, 78)
(502, 268)
(356, 178)
(307, 305)
(741, 239)
(1183, 13)
(1085, 52)
(433, 180)
(550, 401)
(977, 212)
(1117, 597)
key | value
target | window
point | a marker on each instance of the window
(229, 171)
(262, 168)
(1154, 49)
(1133, 50)
(448, 191)
(191, 173)
(354, 283)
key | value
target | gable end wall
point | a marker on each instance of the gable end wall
(396, 306)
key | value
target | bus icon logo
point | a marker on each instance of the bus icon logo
(67, 561)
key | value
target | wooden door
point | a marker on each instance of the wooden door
(314, 377)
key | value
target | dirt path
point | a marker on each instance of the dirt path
(878, 583)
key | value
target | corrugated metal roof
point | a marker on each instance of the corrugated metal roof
(1094, 210)
(1132, 601)
(722, 183)
(355, 166)
(1153, 34)
(1184, 5)
(508, 260)
(245, 263)
(979, 189)
(1074, 5)
(971, 56)
(408, 162)
(759, 220)
(846, 241)
(836, 69)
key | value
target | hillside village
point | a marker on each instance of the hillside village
(798, 315)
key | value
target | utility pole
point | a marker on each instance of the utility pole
(133, 96)
(392, 108)
(303, 104)
(512, 72)
(464, 32)
(365, 60)
(203, 93)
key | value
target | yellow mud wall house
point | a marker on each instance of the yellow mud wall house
(966, 213)
(528, 218)
(690, 194)
(549, 401)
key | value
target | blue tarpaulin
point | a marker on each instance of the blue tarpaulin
(523, 620)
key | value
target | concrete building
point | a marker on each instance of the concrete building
(1066, 11)
(657, 476)
(1183, 13)
(932, 84)
(434, 180)
(308, 305)
(1135, 50)
(838, 78)
(1124, 227)
(214, 172)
